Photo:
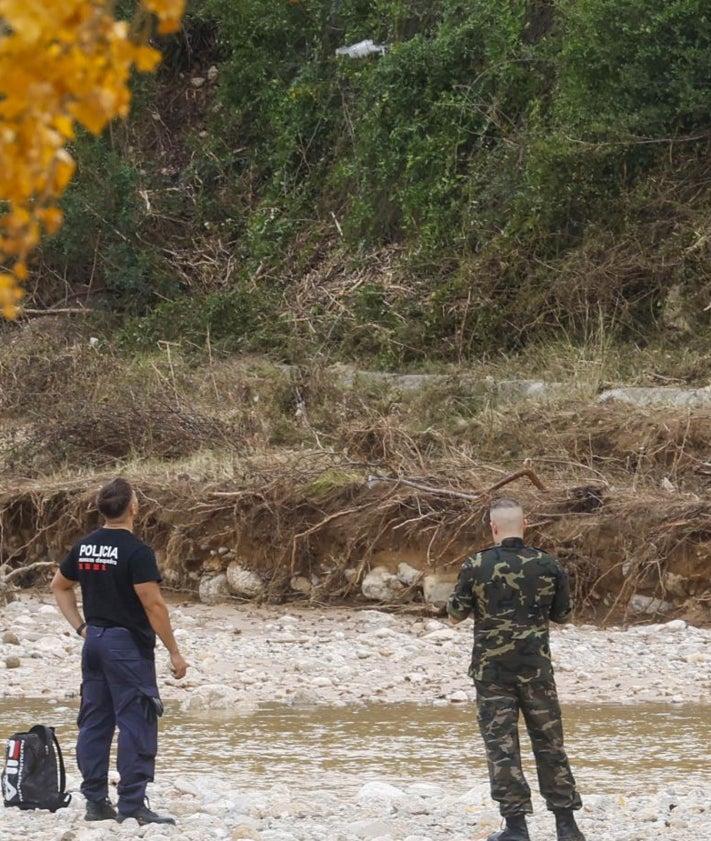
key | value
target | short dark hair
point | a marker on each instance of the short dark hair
(114, 498)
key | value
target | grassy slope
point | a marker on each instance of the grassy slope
(493, 180)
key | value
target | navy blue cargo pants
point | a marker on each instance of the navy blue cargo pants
(118, 681)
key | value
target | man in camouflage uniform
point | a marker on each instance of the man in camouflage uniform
(513, 590)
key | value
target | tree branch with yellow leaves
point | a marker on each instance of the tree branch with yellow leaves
(62, 63)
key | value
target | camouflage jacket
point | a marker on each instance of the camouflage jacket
(513, 590)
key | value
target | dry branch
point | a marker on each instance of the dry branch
(15, 573)
(527, 473)
(27, 311)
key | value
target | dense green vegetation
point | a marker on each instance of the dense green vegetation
(498, 173)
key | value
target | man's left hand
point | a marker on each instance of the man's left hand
(178, 665)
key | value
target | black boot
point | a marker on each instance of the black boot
(516, 830)
(565, 826)
(99, 810)
(144, 815)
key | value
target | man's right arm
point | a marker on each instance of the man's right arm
(461, 603)
(63, 590)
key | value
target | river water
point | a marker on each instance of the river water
(329, 748)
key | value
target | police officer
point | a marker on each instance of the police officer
(513, 590)
(123, 612)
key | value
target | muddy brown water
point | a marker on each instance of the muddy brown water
(614, 749)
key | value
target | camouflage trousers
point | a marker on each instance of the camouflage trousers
(498, 713)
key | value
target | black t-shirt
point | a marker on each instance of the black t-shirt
(107, 563)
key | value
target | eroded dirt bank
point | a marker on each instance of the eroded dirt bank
(317, 537)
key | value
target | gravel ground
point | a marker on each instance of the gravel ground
(243, 656)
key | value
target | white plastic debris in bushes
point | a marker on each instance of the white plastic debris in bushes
(362, 49)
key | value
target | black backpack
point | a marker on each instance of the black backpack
(34, 776)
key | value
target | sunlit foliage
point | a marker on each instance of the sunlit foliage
(62, 63)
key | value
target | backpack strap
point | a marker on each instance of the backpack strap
(64, 796)
(49, 737)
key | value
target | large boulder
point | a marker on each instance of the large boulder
(407, 574)
(648, 605)
(243, 581)
(213, 589)
(301, 584)
(212, 697)
(380, 585)
(437, 588)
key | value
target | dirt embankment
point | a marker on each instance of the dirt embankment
(653, 546)
(310, 478)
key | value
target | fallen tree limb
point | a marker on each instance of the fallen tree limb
(525, 472)
(5, 577)
(58, 311)
(528, 472)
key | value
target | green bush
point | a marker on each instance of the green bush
(497, 147)
(102, 247)
(425, 115)
(242, 319)
(385, 142)
(639, 67)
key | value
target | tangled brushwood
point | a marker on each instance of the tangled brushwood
(310, 478)
(99, 436)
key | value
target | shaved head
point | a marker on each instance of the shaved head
(506, 516)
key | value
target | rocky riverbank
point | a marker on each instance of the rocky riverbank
(242, 656)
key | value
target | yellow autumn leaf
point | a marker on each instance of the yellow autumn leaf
(63, 169)
(64, 126)
(169, 25)
(165, 9)
(146, 59)
(20, 270)
(52, 218)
